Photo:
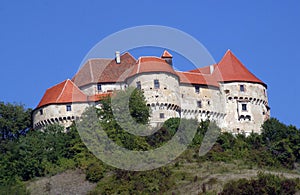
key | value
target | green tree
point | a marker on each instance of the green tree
(13, 119)
(138, 107)
(273, 130)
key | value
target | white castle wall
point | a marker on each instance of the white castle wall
(212, 106)
(164, 100)
(173, 99)
(92, 89)
(255, 98)
(57, 113)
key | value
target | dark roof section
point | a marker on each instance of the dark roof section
(103, 70)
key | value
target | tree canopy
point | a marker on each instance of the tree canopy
(14, 118)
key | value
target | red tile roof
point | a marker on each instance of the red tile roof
(197, 78)
(231, 69)
(108, 71)
(166, 54)
(151, 64)
(97, 97)
(203, 70)
(104, 70)
(64, 92)
(90, 71)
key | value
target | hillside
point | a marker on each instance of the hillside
(211, 177)
(54, 162)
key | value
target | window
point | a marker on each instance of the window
(69, 108)
(199, 104)
(244, 107)
(99, 87)
(242, 88)
(138, 85)
(41, 112)
(208, 102)
(161, 115)
(197, 89)
(156, 84)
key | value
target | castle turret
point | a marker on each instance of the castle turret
(167, 57)
(246, 101)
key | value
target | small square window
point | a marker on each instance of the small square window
(161, 115)
(197, 89)
(242, 88)
(156, 84)
(41, 112)
(199, 104)
(138, 85)
(244, 107)
(69, 108)
(99, 87)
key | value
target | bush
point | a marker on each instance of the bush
(265, 184)
(94, 172)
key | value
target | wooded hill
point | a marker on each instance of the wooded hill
(27, 154)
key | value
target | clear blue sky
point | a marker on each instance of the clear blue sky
(42, 42)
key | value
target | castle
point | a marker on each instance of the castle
(225, 92)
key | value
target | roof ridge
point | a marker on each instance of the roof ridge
(61, 91)
(150, 57)
(91, 71)
(192, 73)
(74, 85)
(139, 66)
(128, 54)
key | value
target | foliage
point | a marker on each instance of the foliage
(130, 182)
(277, 146)
(138, 107)
(95, 172)
(47, 152)
(14, 119)
(265, 184)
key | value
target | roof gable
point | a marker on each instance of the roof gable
(90, 71)
(64, 92)
(166, 54)
(103, 70)
(230, 68)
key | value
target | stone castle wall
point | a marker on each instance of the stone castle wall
(92, 89)
(57, 113)
(164, 99)
(234, 109)
(251, 117)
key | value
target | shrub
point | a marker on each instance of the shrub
(94, 172)
(265, 184)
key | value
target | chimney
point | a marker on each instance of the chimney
(167, 57)
(118, 57)
(211, 69)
